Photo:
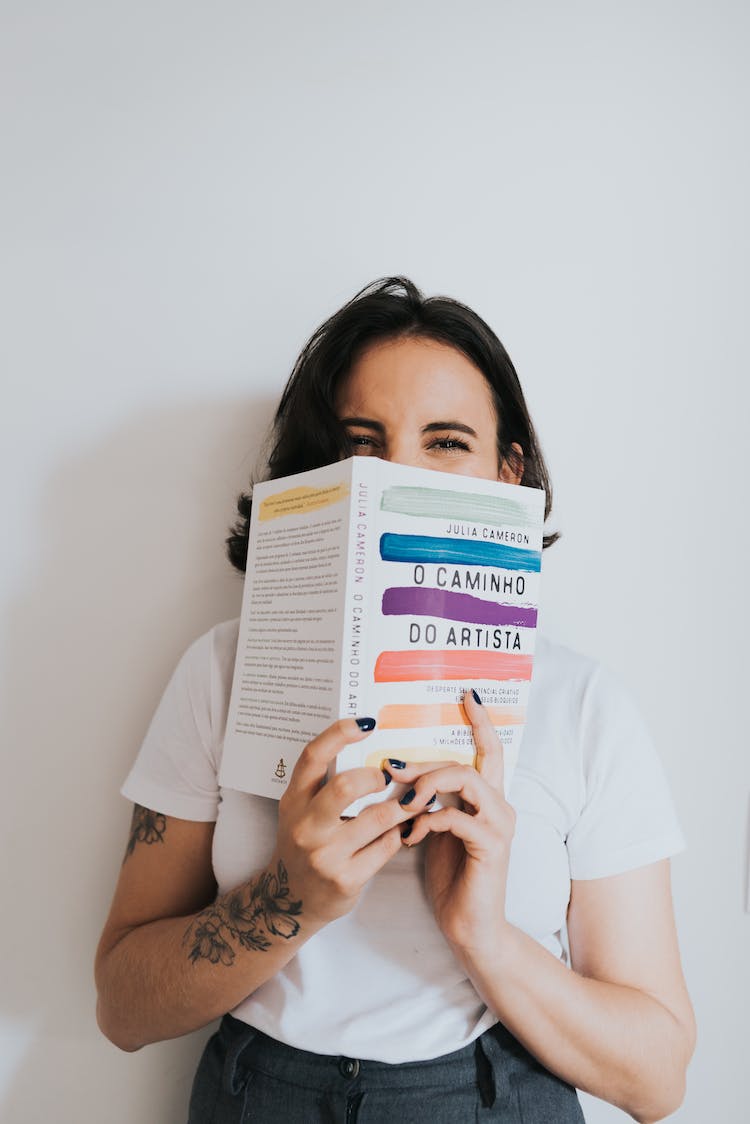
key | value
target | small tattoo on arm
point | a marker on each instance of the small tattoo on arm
(247, 916)
(146, 827)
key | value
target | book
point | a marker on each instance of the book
(377, 589)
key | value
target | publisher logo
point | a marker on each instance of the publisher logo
(280, 771)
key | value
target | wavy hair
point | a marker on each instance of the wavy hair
(306, 431)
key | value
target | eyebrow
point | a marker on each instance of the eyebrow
(432, 427)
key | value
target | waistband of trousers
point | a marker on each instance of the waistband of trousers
(495, 1049)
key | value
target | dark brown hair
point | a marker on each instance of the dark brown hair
(306, 431)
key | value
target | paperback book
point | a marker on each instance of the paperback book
(377, 589)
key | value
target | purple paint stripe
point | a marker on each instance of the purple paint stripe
(419, 601)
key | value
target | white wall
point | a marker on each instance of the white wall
(188, 190)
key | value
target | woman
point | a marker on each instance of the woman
(406, 961)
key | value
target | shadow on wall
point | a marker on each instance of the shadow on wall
(127, 568)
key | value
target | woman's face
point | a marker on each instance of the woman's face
(422, 403)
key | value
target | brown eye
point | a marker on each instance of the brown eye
(361, 442)
(450, 444)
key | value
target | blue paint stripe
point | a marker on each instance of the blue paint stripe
(426, 549)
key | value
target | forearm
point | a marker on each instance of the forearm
(174, 975)
(615, 1042)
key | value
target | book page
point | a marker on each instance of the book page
(287, 673)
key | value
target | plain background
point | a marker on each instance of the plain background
(188, 190)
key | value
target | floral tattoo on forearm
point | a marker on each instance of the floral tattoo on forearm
(248, 916)
(146, 827)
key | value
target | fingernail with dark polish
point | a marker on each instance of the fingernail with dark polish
(366, 723)
(408, 797)
(406, 829)
(476, 697)
(431, 800)
(396, 763)
(388, 777)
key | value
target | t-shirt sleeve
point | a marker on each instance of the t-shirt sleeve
(175, 772)
(627, 817)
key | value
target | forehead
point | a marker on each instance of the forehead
(416, 371)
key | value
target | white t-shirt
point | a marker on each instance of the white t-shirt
(590, 797)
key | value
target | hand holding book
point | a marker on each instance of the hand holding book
(468, 846)
(328, 858)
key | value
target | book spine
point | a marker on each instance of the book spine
(355, 676)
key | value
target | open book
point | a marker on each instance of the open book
(382, 590)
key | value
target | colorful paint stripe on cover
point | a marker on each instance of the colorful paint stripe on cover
(409, 716)
(423, 601)
(426, 549)
(410, 666)
(435, 503)
(418, 754)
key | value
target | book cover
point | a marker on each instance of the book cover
(379, 589)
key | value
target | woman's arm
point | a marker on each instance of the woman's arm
(162, 967)
(173, 957)
(619, 1025)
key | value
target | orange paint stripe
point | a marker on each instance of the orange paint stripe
(404, 716)
(402, 667)
(415, 755)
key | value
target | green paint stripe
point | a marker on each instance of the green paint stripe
(440, 503)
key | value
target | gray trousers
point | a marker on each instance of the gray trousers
(244, 1077)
